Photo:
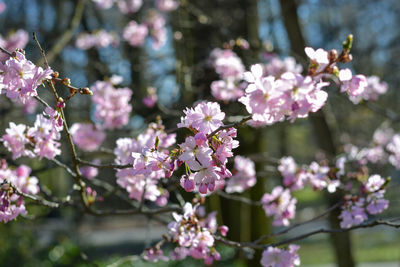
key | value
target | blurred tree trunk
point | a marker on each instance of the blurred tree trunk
(323, 134)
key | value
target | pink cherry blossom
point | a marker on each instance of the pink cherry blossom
(244, 175)
(135, 33)
(275, 257)
(394, 148)
(11, 204)
(319, 58)
(205, 117)
(112, 105)
(353, 213)
(15, 141)
(129, 6)
(167, 5)
(87, 136)
(97, 39)
(279, 204)
(154, 255)
(353, 85)
(20, 77)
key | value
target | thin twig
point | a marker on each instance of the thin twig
(37, 199)
(46, 64)
(5, 51)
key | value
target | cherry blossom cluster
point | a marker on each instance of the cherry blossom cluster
(11, 203)
(358, 87)
(275, 257)
(385, 147)
(364, 194)
(132, 6)
(279, 204)
(370, 199)
(125, 6)
(40, 140)
(153, 27)
(315, 175)
(19, 77)
(87, 136)
(230, 69)
(134, 33)
(97, 39)
(243, 175)
(193, 234)
(150, 161)
(271, 99)
(205, 155)
(112, 105)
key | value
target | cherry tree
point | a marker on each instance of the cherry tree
(199, 155)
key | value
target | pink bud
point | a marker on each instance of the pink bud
(223, 229)
(23, 171)
(203, 188)
(217, 256)
(208, 260)
(187, 183)
(211, 186)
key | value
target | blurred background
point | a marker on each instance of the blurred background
(182, 75)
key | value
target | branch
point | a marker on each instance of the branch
(322, 230)
(303, 236)
(37, 199)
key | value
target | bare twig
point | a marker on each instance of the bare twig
(6, 51)
(46, 64)
(36, 199)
